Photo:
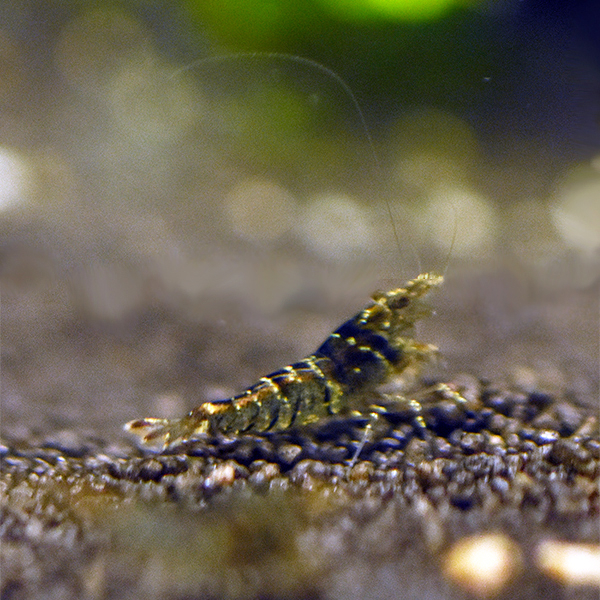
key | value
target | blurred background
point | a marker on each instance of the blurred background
(194, 194)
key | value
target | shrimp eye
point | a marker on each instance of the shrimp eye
(399, 302)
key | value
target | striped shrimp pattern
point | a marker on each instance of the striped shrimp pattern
(357, 357)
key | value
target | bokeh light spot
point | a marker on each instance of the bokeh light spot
(459, 219)
(151, 107)
(260, 210)
(94, 45)
(335, 226)
(576, 214)
(482, 565)
(16, 178)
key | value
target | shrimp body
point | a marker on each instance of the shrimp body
(356, 358)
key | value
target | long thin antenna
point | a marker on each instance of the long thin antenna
(454, 232)
(347, 91)
(301, 61)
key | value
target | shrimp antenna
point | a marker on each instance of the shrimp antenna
(452, 241)
(329, 73)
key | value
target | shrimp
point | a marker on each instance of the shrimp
(365, 352)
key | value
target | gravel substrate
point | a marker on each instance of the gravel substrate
(284, 515)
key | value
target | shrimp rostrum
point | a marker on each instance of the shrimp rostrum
(365, 352)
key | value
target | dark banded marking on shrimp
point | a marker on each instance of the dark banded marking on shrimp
(356, 358)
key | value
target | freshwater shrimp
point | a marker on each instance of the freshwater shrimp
(365, 352)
